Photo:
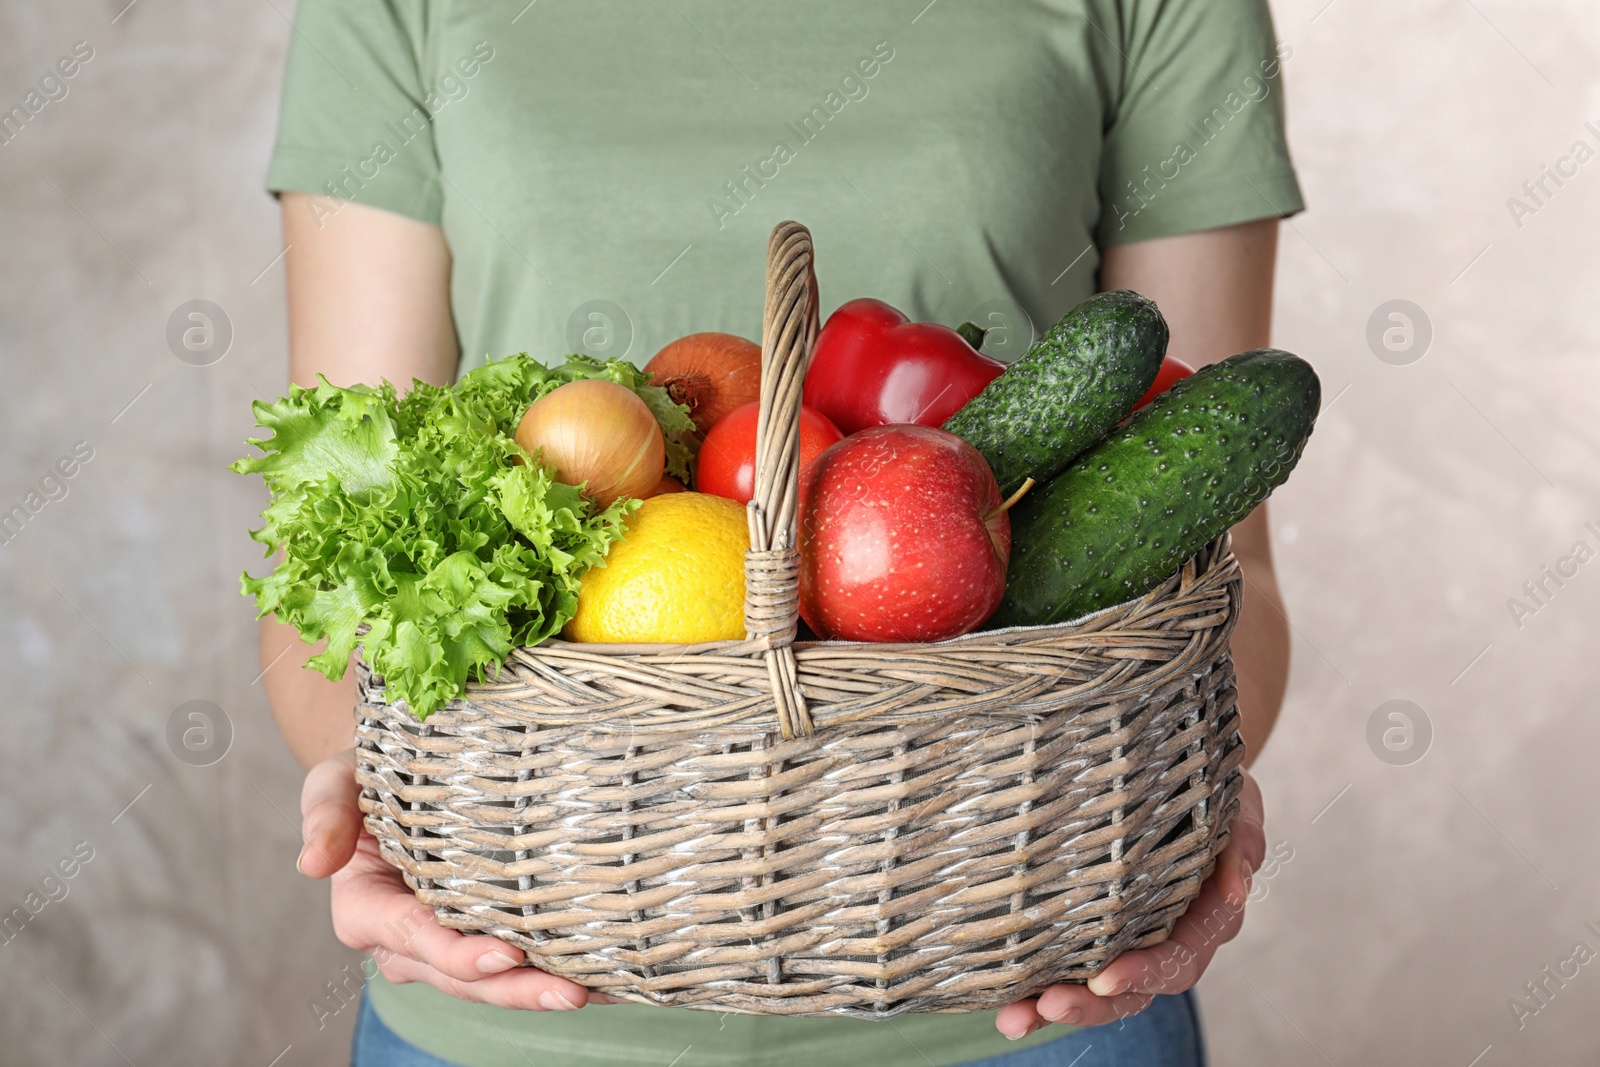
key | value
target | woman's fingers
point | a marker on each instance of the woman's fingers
(1070, 1004)
(1074, 1005)
(1212, 919)
(330, 817)
(374, 912)
(1178, 962)
(1018, 1020)
(524, 989)
(1247, 844)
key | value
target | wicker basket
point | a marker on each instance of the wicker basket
(808, 828)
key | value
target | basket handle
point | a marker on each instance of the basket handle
(772, 565)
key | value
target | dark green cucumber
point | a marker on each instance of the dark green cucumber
(1137, 506)
(1068, 390)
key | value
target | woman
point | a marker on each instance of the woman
(463, 181)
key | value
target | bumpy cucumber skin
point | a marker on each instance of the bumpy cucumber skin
(1135, 508)
(1068, 390)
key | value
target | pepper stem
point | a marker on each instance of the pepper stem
(1010, 500)
(972, 333)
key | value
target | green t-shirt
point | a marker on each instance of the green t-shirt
(607, 173)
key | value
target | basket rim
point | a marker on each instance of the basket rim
(1215, 561)
(1220, 550)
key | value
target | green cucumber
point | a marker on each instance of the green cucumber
(1068, 390)
(1137, 506)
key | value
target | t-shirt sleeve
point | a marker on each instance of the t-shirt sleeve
(356, 119)
(1196, 137)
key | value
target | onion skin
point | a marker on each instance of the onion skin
(599, 435)
(710, 373)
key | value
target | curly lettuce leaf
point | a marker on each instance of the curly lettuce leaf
(420, 519)
(345, 433)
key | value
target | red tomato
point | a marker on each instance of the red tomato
(726, 465)
(1172, 370)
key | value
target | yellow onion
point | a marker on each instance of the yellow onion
(599, 435)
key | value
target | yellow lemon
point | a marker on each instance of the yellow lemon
(677, 577)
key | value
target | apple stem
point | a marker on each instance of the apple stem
(1010, 500)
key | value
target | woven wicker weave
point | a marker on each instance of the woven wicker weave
(824, 827)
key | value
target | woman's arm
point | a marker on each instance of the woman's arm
(1215, 289)
(369, 298)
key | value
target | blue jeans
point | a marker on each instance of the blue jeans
(1166, 1034)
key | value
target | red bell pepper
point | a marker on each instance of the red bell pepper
(874, 367)
(1173, 370)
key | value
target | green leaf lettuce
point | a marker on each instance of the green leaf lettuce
(420, 518)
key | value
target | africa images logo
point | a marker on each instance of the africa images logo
(53, 87)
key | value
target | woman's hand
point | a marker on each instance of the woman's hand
(374, 912)
(1129, 982)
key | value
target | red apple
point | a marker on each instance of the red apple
(902, 537)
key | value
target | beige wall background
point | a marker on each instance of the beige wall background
(1421, 893)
